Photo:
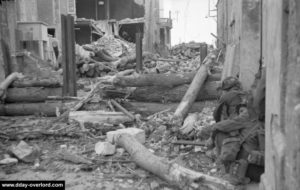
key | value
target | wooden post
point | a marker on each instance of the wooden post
(139, 52)
(71, 54)
(151, 35)
(64, 56)
(68, 56)
(107, 9)
(191, 94)
(203, 51)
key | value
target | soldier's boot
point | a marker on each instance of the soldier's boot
(237, 172)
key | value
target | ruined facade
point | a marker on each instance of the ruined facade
(239, 26)
(35, 25)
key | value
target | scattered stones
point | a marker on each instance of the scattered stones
(120, 151)
(8, 160)
(154, 185)
(63, 147)
(214, 170)
(25, 152)
(105, 148)
(139, 134)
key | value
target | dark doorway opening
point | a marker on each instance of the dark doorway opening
(52, 32)
(128, 31)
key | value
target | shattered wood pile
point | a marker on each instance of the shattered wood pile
(28, 95)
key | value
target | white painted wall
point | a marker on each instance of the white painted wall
(190, 20)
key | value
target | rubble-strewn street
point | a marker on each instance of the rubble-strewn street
(68, 153)
(149, 94)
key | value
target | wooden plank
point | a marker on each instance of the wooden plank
(64, 55)
(6, 57)
(68, 56)
(139, 52)
(203, 51)
(107, 9)
(71, 56)
(149, 108)
(2, 72)
(31, 94)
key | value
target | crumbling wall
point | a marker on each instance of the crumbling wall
(239, 27)
(91, 9)
(250, 44)
(27, 10)
(126, 9)
(229, 30)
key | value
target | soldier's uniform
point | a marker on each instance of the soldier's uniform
(230, 99)
(239, 139)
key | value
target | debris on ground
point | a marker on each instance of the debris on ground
(98, 136)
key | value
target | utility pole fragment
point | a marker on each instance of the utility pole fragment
(68, 56)
(151, 26)
(139, 52)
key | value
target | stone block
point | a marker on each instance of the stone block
(25, 152)
(105, 148)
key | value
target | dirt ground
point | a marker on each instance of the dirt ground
(106, 172)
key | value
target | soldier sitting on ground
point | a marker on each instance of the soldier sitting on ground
(239, 139)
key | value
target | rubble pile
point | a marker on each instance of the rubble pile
(186, 50)
(109, 55)
(96, 59)
(116, 47)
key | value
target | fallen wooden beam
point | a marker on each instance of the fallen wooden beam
(146, 108)
(182, 142)
(222, 41)
(46, 109)
(128, 59)
(192, 93)
(31, 94)
(37, 82)
(77, 106)
(162, 94)
(124, 60)
(122, 109)
(166, 80)
(173, 173)
(8, 80)
(98, 117)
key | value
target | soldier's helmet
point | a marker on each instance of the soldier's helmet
(230, 82)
